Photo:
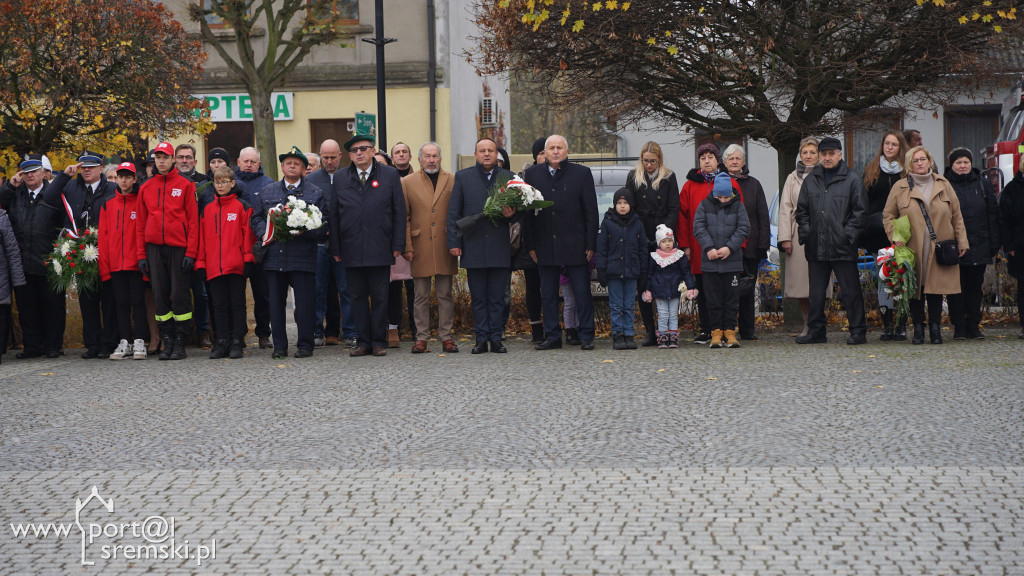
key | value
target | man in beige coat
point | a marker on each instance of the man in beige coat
(427, 194)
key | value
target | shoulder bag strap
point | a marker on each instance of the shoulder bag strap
(927, 220)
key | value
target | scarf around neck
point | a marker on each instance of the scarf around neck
(709, 176)
(889, 167)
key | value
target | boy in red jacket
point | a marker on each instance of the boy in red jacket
(119, 264)
(225, 253)
(168, 240)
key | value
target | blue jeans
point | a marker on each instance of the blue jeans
(668, 315)
(325, 265)
(621, 298)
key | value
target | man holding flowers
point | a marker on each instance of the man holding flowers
(483, 247)
(290, 236)
(367, 233)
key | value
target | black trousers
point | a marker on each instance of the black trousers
(934, 302)
(99, 319)
(130, 297)
(579, 280)
(42, 315)
(304, 287)
(818, 277)
(333, 316)
(746, 299)
(723, 292)
(227, 299)
(260, 301)
(368, 295)
(965, 307)
(487, 295)
(172, 286)
(531, 278)
(5, 326)
(395, 303)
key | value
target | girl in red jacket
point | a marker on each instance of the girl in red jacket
(119, 263)
(225, 253)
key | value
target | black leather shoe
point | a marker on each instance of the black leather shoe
(811, 339)
(856, 339)
(498, 347)
(549, 345)
(586, 345)
(54, 354)
(27, 355)
(651, 338)
(303, 353)
(751, 337)
(90, 354)
(935, 333)
(480, 348)
(572, 337)
(278, 354)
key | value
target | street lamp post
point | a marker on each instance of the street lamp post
(380, 41)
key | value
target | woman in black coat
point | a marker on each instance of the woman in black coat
(880, 174)
(656, 194)
(981, 219)
(1011, 230)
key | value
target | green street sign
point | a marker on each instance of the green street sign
(366, 123)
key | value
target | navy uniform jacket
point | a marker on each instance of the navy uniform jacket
(367, 221)
(486, 245)
(85, 206)
(562, 233)
(298, 254)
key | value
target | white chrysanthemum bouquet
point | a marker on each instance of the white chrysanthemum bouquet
(286, 221)
(74, 263)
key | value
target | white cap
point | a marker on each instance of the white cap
(46, 164)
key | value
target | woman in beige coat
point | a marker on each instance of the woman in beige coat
(933, 279)
(796, 280)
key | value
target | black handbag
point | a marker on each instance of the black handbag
(947, 253)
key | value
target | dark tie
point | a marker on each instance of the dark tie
(362, 178)
(291, 187)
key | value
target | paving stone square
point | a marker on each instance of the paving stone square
(773, 459)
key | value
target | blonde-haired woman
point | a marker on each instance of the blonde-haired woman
(921, 191)
(796, 280)
(656, 193)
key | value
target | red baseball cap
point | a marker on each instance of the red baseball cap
(126, 166)
(164, 147)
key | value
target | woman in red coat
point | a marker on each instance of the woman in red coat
(698, 185)
(225, 254)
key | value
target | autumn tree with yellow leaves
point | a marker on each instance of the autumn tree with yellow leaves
(771, 70)
(74, 73)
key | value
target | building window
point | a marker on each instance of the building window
(721, 140)
(345, 11)
(862, 143)
(231, 136)
(971, 127)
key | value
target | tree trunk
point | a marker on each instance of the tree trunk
(263, 128)
(786, 149)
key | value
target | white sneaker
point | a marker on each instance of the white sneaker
(121, 352)
(139, 350)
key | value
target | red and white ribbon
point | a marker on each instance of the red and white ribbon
(73, 232)
(268, 236)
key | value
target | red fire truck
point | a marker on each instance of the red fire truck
(1003, 157)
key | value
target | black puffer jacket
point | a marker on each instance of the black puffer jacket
(1011, 223)
(721, 225)
(760, 237)
(37, 223)
(980, 211)
(830, 218)
(655, 205)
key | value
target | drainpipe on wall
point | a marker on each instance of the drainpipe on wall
(432, 68)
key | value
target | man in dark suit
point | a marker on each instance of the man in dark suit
(483, 249)
(86, 190)
(36, 216)
(563, 236)
(367, 223)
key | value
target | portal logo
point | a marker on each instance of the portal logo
(112, 538)
(232, 217)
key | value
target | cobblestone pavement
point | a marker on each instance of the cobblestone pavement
(770, 459)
